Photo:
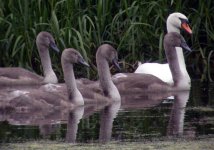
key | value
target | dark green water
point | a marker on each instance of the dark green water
(185, 115)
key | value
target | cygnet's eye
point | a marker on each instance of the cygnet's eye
(53, 46)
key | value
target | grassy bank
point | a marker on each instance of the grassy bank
(204, 144)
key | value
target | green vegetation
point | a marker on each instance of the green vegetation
(135, 28)
(160, 145)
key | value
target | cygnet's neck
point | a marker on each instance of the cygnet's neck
(50, 76)
(177, 66)
(73, 93)
(109, 89)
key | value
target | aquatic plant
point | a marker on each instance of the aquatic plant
(136, 28)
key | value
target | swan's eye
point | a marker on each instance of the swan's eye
(184, 20)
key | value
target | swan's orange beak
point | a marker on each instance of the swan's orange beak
(186, 27)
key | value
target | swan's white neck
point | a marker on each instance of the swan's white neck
(181, 61)
(106, 83)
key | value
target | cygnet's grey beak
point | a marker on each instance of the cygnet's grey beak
(82, 61)
(115, 63)
(185, 46)
(54, 47)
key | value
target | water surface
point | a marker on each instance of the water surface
(144, 117)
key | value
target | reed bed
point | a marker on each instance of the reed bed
(135, 28)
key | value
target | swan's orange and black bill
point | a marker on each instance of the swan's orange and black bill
(186, 27)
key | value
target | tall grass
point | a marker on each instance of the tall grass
(135, 28)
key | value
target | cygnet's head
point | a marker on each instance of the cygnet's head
(174, 39)
(72, 56)
(109, 53)
(45, 40)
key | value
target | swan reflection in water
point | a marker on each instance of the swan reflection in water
(176, 121)
(72, 125)
(146, 100)
(109, 113)
(107, 116)
(50, 120)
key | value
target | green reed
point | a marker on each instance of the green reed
(136, 28)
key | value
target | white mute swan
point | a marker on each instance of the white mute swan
(175, 22)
